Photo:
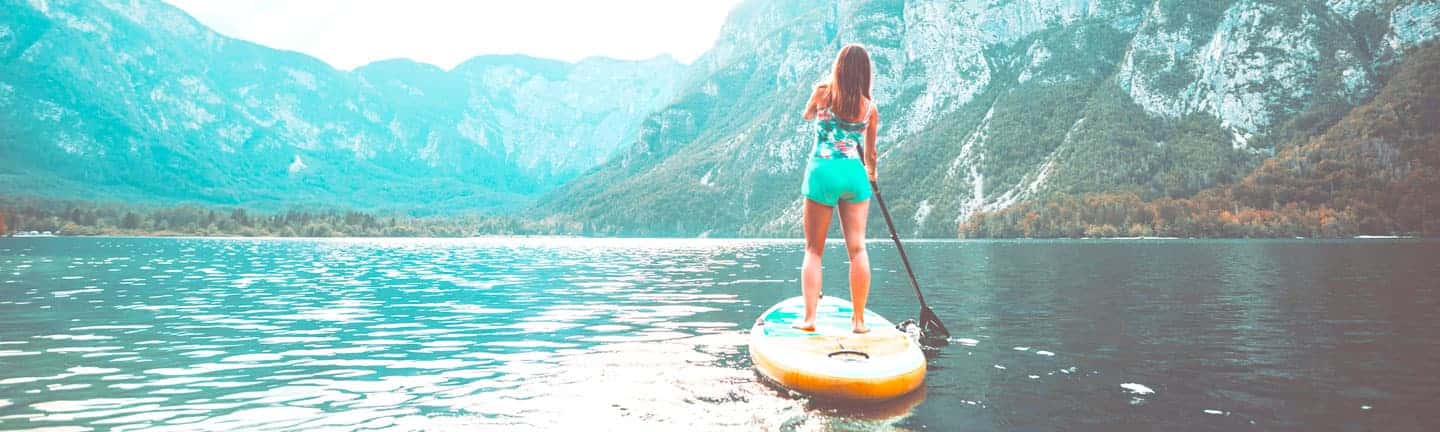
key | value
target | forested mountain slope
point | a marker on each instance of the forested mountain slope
(1376, 171)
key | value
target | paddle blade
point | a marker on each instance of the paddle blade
(930, 326)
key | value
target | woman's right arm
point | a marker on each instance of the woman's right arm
(871, 155)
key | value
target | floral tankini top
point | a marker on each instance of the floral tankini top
(836, 138)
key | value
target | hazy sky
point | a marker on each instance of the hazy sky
(350, 33)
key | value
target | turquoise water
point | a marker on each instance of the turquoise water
(560, 334)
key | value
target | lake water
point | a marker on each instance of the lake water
(598, 334)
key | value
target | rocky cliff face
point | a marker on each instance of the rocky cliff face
(134, 99)
(989, 103)
(1253, 63)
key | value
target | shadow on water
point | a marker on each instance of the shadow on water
(883, 411)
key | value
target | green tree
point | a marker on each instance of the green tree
(131, 221)
(238, 215)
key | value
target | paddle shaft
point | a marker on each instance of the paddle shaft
(875, 187)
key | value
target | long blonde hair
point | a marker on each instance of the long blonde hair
(850, 82)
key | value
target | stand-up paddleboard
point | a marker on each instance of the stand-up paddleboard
(832, 361)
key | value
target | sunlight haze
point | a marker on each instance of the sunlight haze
(351, 33)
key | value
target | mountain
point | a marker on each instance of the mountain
(1098, 117)
(134, 100)
(988, 104)
(1375, 171)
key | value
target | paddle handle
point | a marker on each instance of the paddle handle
(875, 187)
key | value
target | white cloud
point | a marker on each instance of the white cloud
(351, 33)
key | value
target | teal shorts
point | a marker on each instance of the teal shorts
(827, 181)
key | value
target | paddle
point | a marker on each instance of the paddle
(930, 325)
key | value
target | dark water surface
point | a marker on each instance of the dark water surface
(598, 334)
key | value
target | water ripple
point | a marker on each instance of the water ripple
(559, 334)
(289, 335)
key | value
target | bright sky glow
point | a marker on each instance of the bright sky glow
(351, 33)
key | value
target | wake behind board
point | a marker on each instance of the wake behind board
(832, 361)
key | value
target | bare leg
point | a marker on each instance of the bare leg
(817, 223)
(852, 222)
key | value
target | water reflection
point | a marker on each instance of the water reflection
(545, 334)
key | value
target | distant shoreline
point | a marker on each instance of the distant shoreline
(832, 239)
(80, 219)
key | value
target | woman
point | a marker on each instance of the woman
(837, 177)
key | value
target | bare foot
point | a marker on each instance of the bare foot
(808, 326)
(859, 327)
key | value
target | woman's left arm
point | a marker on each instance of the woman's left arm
(813, 106)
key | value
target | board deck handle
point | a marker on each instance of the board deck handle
(862, 354)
